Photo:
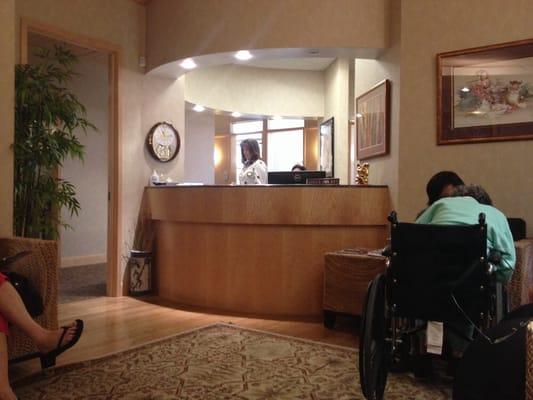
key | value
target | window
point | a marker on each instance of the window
(285, 123)
(284, 141)
(285, 148)
(246, 127)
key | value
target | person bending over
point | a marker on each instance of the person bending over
(442, 184)
(463, 208)
(254, 171)
(50, 343)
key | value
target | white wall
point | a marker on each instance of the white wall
(200, 128)
(336, 103)
(254, 90)
(86, 242)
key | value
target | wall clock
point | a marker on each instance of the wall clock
(163, 142)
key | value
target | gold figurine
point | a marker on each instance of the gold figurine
(362, 173)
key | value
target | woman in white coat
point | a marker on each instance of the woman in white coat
(254, 171)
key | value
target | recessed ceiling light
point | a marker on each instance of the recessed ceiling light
(359, 115)
(198, 108)
(236, 114)
(243, 55)
(188, 63)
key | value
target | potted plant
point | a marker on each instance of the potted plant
(47, 117)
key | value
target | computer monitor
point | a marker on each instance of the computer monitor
(293, 177)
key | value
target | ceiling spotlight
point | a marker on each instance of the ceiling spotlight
(359, 115)
(188, 63)
(198, 108)
(243, 55)
(236, 114)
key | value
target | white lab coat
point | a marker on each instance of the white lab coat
(254, 174)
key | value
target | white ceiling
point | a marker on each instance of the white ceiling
(300, 63)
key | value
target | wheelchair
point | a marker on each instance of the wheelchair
(434, 273)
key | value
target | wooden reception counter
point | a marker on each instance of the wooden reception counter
(257, 249)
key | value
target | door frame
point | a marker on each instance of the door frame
(114, 211)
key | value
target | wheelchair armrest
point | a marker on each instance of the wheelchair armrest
(495, 257)
(387, 251)
(494, 260)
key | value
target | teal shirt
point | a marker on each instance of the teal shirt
(465, 211)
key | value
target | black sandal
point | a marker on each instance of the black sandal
(49, 359)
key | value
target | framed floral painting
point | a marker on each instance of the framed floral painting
(485, 93)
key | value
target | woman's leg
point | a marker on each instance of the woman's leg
(13, 309)
(5, 390)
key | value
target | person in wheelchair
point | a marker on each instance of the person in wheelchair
(439, 273)
(462, 208)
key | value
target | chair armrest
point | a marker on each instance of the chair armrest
(522, 278)
(529, 361)
(41, 268)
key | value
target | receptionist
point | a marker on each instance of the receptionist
(254, 171)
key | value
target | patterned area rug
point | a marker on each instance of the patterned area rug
(220, 362)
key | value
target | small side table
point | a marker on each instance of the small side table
(346, 277)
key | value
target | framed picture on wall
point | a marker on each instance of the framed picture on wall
(327, 129)
(373, 121)
(485, 93)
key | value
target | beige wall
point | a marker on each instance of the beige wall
(121, 22)
(200, 128)
(187, 28)
(260, 91)
(224, 173)
(433, 26)
(7, 113)
(336, 103)
(162, 101)
(384, 169)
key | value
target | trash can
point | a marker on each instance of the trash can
(140, 266)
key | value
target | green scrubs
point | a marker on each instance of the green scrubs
(465, 211)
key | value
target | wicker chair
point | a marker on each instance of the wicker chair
(522, 279)
(529, 362)
(41, 268)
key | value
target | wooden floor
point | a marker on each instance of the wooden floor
(117, 324)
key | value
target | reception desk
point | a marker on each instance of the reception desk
(257, 249)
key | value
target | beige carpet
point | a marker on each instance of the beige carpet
(220, 362)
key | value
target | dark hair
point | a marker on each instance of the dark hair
(255, 152)
(475, 191)
(438, 182)
(298, 166)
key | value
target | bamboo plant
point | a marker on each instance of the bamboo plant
(47, 117)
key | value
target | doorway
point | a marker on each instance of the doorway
(89, 254)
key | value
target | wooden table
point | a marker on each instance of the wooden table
(346, 277)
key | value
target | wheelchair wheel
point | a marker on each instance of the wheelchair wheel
(374, 351)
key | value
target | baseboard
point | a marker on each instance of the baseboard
(90, 259)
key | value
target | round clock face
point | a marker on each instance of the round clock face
(163, 142)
